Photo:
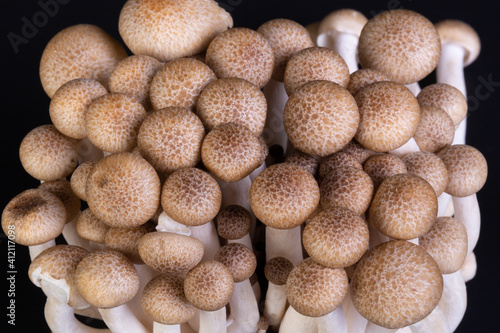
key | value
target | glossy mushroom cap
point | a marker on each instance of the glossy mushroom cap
(240, 260)
(402, 44)
(348, 21)
(396, 284)
(34, 217)
(126, 240)
(167, 30)
(382, 166)
(78, 179)
(315, 290)
(308, 162)
(90, 227)
(460, 33)
(62, 189)
(435, 130)
(233, 222)
(363, 77)
(284, 195)
(429, 167)
(339, 159)
(277, 270)
(445, 97)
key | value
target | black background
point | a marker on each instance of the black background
(24, 106)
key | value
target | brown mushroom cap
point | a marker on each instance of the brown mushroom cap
(163, 300)
(462, 34)
(315, 290)
(209, 285)
(435, 130)
(336, 237)
(357, 150)
(69, 104)
(401, 43)
(179, 83)
(339, 159)
(430, 167)
(396, 284)
(284, 195)
(286, 38)
(106, 279)
(445, 97)
(312, 64)
(191, 196)
(78, 180)
(170, 253)
(34, 217)
(47, 154)
(240, 260)
(363, 77)
(90, 227)
(79, 51)
(241, 53)
(123, 190)
(126, 240)
(171, 138)
(233, 222)
(308, 162)
(404, 207)
(320, 118)
(232, 100)
(167, 30)
(389, 115)
(62, 189)
(467, 169)
(379, 167)
(348, 21)
(277, 270)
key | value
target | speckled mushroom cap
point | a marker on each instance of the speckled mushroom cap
(47, 154)
(123, 190)
(90, 227)
(460, 33)
(126, 240)
(284, 195)
(286, 38)
(78, 180)
(430, 167)
(347, 187)
(62, 189)
(315, 63)
(191, 196)
(401, 43)
(170, 253)
(445, 97)
(179, 83)
(363, 77)
(467, 169)
(435, 130)
(336, 237)
(79, 51)
(69, 104)
(171, 138)
(320, 118)
(339, 159)
(209, 285)
(315, 290)
(240, 260)
(106, 279)
(389, 115)
(224, 56)
(231, 152)
(357, 150)
(345, 20)
(277, 270)
(232, 100)
(379, 167)
(396, 284)
(133, 76)
(163, 300)
(233, 222)
(446, 242)
(170, 29)
(59, 263)
(34, 216)
(404, 207)
(308, 162)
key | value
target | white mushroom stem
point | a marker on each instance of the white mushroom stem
(286, 243)
(244, 309)
(414, 88)
(35, 250)
(161, 328)
(467, 211)
(435, 322)
(444, 201)
(409, 147)
(274, 130)
(146, 274)
(71, 236)
(275, 304)
(122, 319)
(257, 171)
(356, 323)
(345, 44)
(294, 322)
(469, 267)
(257, 291)
(208, 236)
(334, 322)
(374, 328)
(213, 321)
(453, 301)
(245, 240)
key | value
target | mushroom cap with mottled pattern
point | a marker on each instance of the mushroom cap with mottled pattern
(90, 227)
(320, 118)
(233, 100)
(170, 139)
(404, 207)
(357, 150)
(286, 38)
(430, 167)
(59, 263)
(170, 253)
(170, 29)
(191, 196)
(126, 240)
(62, 189)
(381, 166)
(233, 222)
(389, 116)
(313, 64)
(467, 169)
(445, 97)
(462, 34)
(106, 279)
(400, 43)
(435, 130)
(284, 195)
(277, 270)
(163, 300)
(78, 179)
(240, 260)
(339, 159)
(336, 237)
(307, 161)
(209, 285)
(315, 290)
(34, 217)
(363, 77)
(47, 154)
(123, 190)
(79, 51)
(396, 284)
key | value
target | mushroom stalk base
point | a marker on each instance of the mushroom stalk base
(275, 304)
(294, 322)
(35, 250)
(213, 321)
(122, 319)
(244, 309)
(286, 243)
(161, 328)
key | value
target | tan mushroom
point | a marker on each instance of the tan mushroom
(308, 162)
(382, 166)
(435, 129)
(126, 240)
(78, 180)
(339, 159)
(364, 77)
(430, 167)
(234, 223)
(91, 228)
(358, 151)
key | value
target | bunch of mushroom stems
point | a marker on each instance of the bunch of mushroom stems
(182, 160)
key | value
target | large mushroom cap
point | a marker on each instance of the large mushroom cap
(240, 260)
(460, 33)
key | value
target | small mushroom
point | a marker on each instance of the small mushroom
(234, 223)
(78, 180)
(430, 167)
(363, 77)
(306, 161)
(358, 151)
(126, 241)
(382, 166)
(91, 228)
(435, 129)
(339, 159)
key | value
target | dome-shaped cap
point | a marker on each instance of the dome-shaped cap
(435, 130)
(78, 179)
(445, 97)
(363, 77)
(277, 270)
(306, 161)
(429, 167)
(233, 222)
(90, 227)
(339, 159)
(240, 260)
(126, 240)
(357, 150)
(382, 166)
(462, 34)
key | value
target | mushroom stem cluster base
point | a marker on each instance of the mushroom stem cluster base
(294, 322)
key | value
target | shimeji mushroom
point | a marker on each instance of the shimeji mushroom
(435, 129)
(364, 77)
(78, 180)
(429, 167)
(469, 267)
(358, 151)
(309, 162)
(382, 166)
(92, 229)
(337, 160)
(234, 224)
(126, 241)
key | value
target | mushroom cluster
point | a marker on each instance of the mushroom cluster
(239, 180)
